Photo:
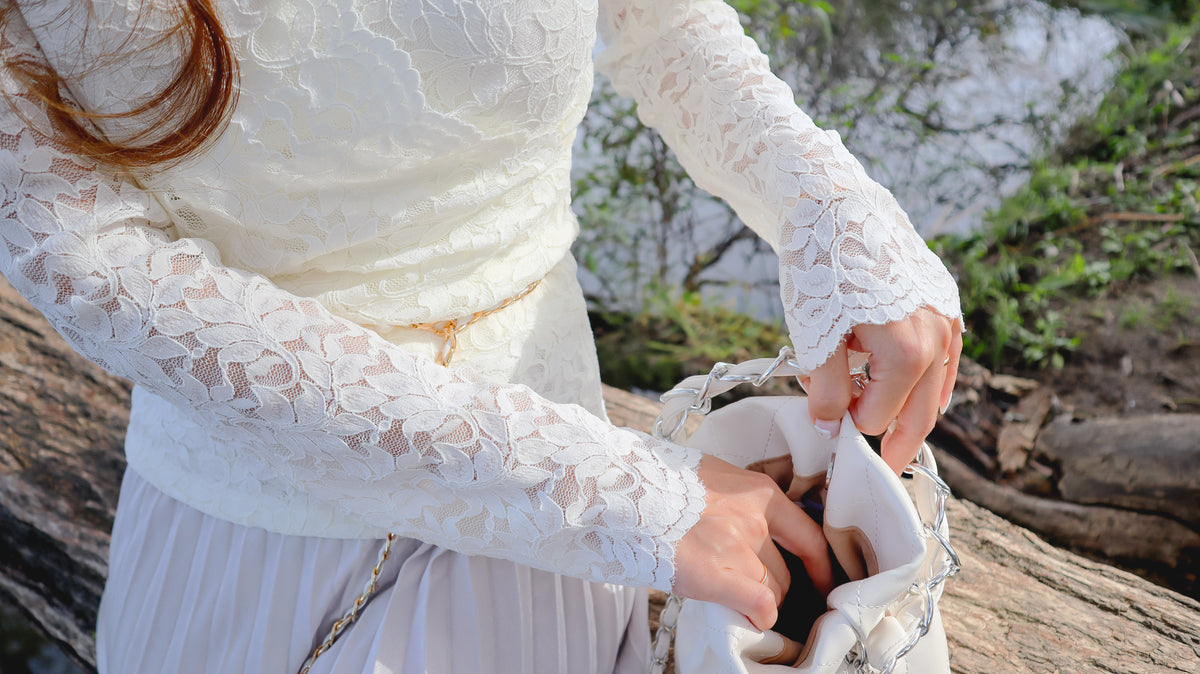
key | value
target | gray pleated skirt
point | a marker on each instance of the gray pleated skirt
(188, 592)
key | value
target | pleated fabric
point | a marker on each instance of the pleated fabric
(188, 592)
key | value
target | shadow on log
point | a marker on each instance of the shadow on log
(1018, 605)
(1124, 490)
(62, 429)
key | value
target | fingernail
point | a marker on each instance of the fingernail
(947, 405)
(827, 428)
(892, 426)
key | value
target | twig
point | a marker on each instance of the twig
(960, 435)
(1187, 250)
(1174, 166)
(1184, 117)
(1126, 216)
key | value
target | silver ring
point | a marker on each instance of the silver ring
(860, 376)
(947, 361)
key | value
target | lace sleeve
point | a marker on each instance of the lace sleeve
(412, 447)
(847, 252)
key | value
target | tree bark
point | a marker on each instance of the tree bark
(1019, 604)
(62, 429)
(1121, 489)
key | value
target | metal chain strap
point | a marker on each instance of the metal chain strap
(351, 615)
(664, 636)
(694, 396)
(943, 566)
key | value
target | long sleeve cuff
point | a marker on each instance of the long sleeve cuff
(848, 254)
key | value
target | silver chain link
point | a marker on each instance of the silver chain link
(694, 396)
(665, 634)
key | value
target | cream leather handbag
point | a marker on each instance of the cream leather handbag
(892, 548)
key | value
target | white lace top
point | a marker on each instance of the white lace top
(392, 162)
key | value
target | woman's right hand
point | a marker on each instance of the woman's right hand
(723, 557)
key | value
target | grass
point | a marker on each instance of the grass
(677, 335)
(1133, 316)
(1172, 310)
(1114, 206)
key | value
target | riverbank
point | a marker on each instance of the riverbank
(1085, 281)
(1087, 278)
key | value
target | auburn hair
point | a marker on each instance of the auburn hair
(185, 116)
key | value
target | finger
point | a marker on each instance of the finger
(956, 344)
(788, 655)
(752, 599)
(899, 358)
(730, 575)
(829, 393)
(915, 420)
(778, 577)
(792, 528)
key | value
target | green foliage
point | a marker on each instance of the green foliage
(1139, 17)
(1132, 316)
(1172, 310)
(1009, 298)
(1044, 202)
(1152, 87)
(1115, 206)
(1014, 286)
(1066, 235)
(677, 335)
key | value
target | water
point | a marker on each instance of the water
(946, 103)
(1007, 95)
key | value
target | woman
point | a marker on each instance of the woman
(348, 306)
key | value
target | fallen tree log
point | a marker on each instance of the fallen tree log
(1019, 604)
(62, 427)
(1120, 489)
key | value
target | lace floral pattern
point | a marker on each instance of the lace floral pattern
(848, 254)
(408, 161)
(364, 433)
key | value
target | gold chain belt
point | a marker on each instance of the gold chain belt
(448, 330)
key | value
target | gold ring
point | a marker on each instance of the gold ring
(947, 361)
(763, 580)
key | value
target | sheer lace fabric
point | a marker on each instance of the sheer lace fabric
(398, 162)
(848, 254)
(290, 417)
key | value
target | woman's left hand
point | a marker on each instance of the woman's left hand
(913, 365)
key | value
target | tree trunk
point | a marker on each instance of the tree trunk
(1018, 605)
(62, 427)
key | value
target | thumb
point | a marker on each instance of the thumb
(829, 393)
